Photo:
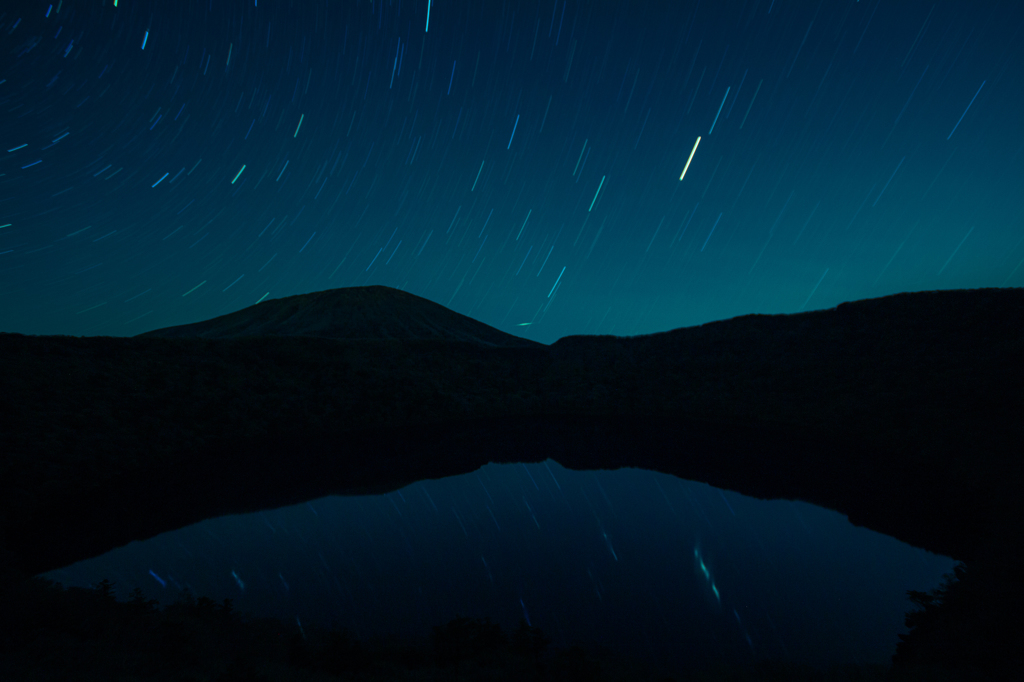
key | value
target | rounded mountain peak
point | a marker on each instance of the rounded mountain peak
(371, 312)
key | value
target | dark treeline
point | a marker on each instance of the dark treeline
(48, 632)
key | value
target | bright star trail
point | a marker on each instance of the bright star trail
(690, 158)
(863, 145)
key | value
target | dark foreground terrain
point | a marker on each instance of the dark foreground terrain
(53, 634)
(903, 413)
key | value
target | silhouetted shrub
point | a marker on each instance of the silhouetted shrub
(341, 653)
(140, 605)
(401, 655)
(299, 654)
(103, 589)
(529, 642)
(969, 624)
(47, 632)
(177, 642)
(573, 665)
(241, 671)
(463, 639)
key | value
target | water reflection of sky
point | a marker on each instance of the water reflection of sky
(644, 562)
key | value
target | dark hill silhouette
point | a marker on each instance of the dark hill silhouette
(902, 412)
(373, 312)
(46, 632)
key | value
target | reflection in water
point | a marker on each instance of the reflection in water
(644, 562)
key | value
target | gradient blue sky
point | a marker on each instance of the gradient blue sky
(858, 149)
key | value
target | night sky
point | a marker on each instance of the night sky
(168, 162)
(519, 162)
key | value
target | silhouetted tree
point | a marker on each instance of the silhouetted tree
(185, 601)
(104, 590)
(971, 622)
(930, 637)
(140, 605)
(464, 638)
(528, 641)
(299, 653)
(573, 665)
(341, 653)
(241, 671)
(46, 631)
(205, 608)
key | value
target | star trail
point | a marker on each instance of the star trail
(312, 117)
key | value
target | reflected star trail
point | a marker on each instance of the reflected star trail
(671, 570)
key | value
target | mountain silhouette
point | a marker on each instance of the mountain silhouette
(901, 412)
(372, 312)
